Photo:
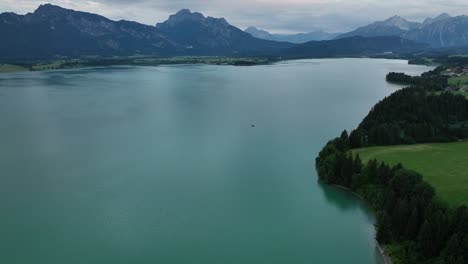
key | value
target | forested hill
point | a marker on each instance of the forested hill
(413, 115)
(354, 46)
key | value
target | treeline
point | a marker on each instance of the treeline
(457, 60)
(408, 214)
(418, 61)
(411, 115)
(402, 78)
(431, 81)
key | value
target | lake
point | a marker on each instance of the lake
(183, 164)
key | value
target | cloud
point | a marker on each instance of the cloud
(273, 15)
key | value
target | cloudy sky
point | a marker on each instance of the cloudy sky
(279, 16)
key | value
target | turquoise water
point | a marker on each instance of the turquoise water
(163, 165)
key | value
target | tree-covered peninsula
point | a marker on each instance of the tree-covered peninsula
(412, 222)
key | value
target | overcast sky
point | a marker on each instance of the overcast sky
(274, 15)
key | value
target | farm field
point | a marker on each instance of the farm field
(444, 166)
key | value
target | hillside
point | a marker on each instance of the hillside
(439, 32)
(394, 26)
(212, 36)
(53, 31)
(444, 32)
(353, 46)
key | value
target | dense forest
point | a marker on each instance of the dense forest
(431, 81)
(409, 216)
(418, 227)
(412, 115)
(456, 60)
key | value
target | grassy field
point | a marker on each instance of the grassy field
(460, 55)
(458, 80)
(50, 65)
(11, 68)
(464, 93)
(444, 166)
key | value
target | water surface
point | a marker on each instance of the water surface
(163, 165)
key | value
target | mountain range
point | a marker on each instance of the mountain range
(439, 32)
(293, 38)
(54, 32)
(213, 36)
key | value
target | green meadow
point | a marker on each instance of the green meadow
(11, 68)
(458, 80)
(444, 166)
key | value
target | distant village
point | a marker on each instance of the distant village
(459, 76)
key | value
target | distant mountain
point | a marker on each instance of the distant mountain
(208, 35)
(55, 31)
(52, 30)
(394, 26)
(259, 33)
(441, 31)
(440, 17)
(354, 46)
(293, 38)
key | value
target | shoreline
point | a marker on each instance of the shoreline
(386, 258)
(40, 65)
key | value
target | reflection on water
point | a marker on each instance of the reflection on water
(345, 200)
(341, 198)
